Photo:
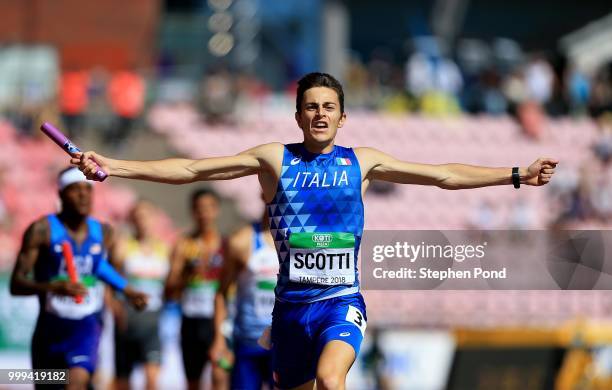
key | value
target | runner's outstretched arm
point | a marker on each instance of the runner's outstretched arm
(182, 170)
(377, 165)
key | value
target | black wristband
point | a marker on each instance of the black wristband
(516, 178)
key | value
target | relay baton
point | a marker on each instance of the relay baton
(63, 142)
(70, 267)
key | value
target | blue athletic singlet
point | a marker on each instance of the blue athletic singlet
(316, 221)
(87, 256)
(67, 333)
(255, 292)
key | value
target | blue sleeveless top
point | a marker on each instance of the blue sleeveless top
(255, 290)
(51, 266)
(316, 220)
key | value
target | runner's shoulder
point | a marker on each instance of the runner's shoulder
(38, 232)
(241, 238)
(40, 223)
(270, 155)
(368, 156)
(184, 240)
(266, 150)
(190, 237)
(107, 231)
(366, 150)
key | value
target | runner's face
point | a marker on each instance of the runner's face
(206, 210)
(142, 217)
(320, 116)
(77, 197)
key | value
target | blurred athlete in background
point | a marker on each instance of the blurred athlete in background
(250, 262)
(195, 268)
(144, 260)
(67, 333)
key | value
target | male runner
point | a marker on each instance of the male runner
(195, 268)
(143, 258)
(67, 333)
(252, 262)
(316, 187)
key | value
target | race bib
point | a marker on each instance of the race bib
(199, 299)
(322, 258)
(264, 298)
(66, 307)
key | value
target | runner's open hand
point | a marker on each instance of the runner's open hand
(136, 298)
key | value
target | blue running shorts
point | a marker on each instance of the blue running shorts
(301, 330)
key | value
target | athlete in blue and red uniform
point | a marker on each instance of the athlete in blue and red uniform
(195, 268)
(67, 332)
(313, 190)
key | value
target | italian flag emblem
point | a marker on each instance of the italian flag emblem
(343, 161)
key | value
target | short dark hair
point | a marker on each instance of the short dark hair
(197, 194)
(316, 79)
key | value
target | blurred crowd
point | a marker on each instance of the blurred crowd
(109, 102)
(429, 78)
(496, 79)
(99, 93)
(479, 78)
(584, 195)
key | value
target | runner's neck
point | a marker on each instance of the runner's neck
(144, 237)
(74, 223)
(208, 234)
(319, 148)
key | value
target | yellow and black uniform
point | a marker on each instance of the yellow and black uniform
(146, 267)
